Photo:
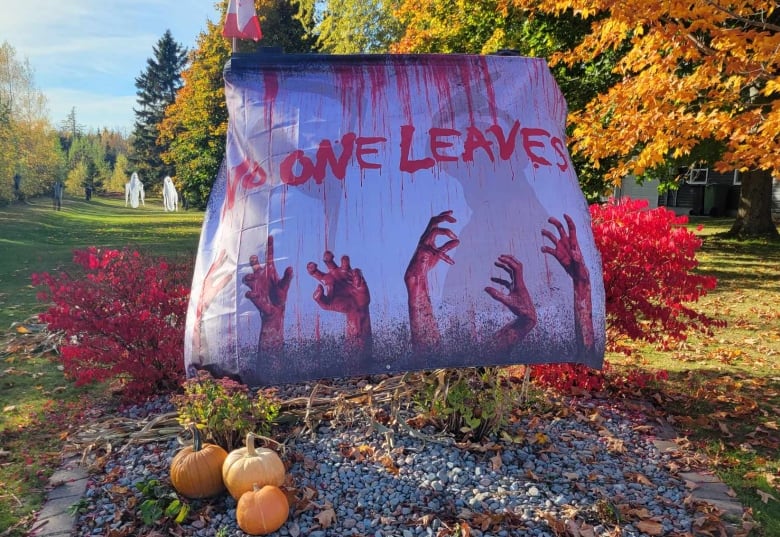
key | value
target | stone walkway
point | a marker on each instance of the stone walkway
(69, 484)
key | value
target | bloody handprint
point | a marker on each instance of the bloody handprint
(425, 334)
(517, 299)
(566, 250)
(269, 295)
(344, 290)
(209, 290)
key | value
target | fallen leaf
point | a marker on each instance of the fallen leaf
(639, 478)
(389, 464)
(556, 524)
(495, 462)
(724, 429)
(540, 438)
(650, 527)
(765, 496)
(326, 517)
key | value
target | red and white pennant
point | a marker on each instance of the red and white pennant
(241, 21)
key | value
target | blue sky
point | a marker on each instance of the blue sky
(87, 53)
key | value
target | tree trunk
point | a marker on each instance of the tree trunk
(754, 216)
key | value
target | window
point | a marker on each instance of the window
(697, 176)
(737, 179)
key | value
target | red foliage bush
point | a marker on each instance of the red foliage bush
(123, 317)
(578, 378)
(649, 260)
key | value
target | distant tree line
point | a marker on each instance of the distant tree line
(34, 154)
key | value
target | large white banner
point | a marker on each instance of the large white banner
(387, 213)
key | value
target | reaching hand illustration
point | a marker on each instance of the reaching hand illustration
(209, 290)
(425, 334)
(566, 250)
(344, 290)
(269, 295)
(517, 300)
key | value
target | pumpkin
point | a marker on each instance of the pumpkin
(196, 470)
(244, 467)
(262, 510)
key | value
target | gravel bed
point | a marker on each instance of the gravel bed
(579, 465)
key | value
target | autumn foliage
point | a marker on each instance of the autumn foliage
(649, 266)
(122, 317)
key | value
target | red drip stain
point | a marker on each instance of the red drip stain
(326, 217)
(490, 90)
(378, 76)
(441, 80)
(271, 86)
(404, 92)
(351, 86)
(465, 75)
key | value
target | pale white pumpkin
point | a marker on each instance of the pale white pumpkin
(249, 466)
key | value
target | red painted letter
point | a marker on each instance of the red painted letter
(411, 166)
(437, 144)
(325, 156)
(529, 144)
(506, 146)
(475, 140)
(560, 150)
(286, 168)
(362, 151)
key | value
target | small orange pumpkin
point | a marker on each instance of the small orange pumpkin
(244, 467)
(262, 510)
(196, 470)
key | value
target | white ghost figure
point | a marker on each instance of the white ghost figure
(134, 191)
(170, 196)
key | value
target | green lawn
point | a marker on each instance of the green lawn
(35, 238)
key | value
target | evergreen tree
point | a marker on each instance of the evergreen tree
(157, 87)
(70, 129)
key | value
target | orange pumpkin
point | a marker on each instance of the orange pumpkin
(247, 466)
(196, 470)
(262, 510)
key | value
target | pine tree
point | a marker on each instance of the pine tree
(157, 87)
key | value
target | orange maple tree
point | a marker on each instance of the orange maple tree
(695, 70)
(697, 79)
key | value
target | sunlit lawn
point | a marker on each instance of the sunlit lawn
(38, 407)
